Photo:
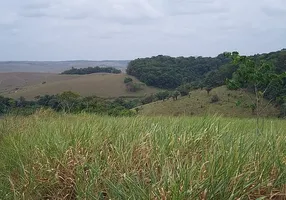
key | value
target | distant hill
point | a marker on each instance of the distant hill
(57, 66)
(231, 104)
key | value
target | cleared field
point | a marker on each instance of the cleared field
(231, 103)
(30, 85)
(16, 81)
(49, 156)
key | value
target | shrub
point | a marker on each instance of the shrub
(162, 95)
(209, 89)
(128, 80)
(175, 95)
(148, 99)
(238, 103)
(133, 87)
(214, 99)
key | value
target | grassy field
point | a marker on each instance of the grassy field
(30, 85)
(12, 82)
(51, 156)
(231, 103)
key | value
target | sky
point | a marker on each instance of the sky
(128, 29)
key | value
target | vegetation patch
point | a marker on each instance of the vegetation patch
(91, 70)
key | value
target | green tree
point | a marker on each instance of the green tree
(133, 87)
(258, 76)
(209, 89)
(128, 80)
(162, 95)
(21, 102)
(148, 99)
(68, 101)
(184, 89)
(175, 95)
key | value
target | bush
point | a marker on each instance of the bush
(128, 80)
(214, 99)
(148, 99)
(133, 87)
(162, 95)
(175, 95)
(209, 89)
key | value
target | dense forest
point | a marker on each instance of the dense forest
(169, 72)
(91, 70)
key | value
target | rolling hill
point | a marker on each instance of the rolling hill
(103, 85)
(231, 104)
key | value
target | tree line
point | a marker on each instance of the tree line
(67, 102)
(91, 70)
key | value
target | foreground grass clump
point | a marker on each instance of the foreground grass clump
(49, 156)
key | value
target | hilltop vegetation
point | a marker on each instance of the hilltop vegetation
(91, 70)
(49, 156)
(168, 72)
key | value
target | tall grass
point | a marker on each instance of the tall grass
(49, 156)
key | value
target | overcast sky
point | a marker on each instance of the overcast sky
(127, 29)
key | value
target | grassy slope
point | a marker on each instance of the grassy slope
(103, 85)
(10, 81)
(88, 157)
(199, 104)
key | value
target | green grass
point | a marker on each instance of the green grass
(199, 104)
(50, 156)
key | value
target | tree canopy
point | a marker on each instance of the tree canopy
(260, 75)
(169, 72)
(91, 70)
(67, 102)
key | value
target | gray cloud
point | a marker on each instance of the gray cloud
(275, 12)
(194, 7)
(33, 5)
(126, 29)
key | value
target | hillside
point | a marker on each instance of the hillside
(199, 104)
(30, 85)
(57, 66)
(51, 156)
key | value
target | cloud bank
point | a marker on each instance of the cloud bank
(127, 29)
